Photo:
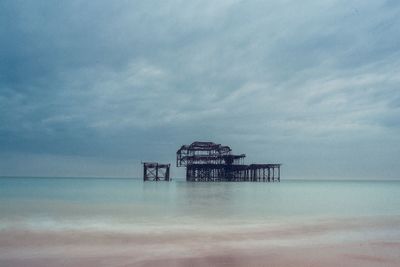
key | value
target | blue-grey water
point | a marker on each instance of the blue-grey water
(88, 202)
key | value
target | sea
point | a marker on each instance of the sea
(133, 205)
(103, 222)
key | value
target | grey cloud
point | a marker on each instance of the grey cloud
(282, 81)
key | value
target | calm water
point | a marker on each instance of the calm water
(91, 203)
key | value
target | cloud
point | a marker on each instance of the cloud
(136, 79)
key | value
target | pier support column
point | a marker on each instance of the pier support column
(157, 178)
(273, 174)
(279, 173)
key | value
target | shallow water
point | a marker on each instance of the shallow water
(125, 222)
(130, 203)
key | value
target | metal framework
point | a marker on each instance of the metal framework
(207, 161)
(154, 171)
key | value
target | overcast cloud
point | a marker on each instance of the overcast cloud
(91, 88)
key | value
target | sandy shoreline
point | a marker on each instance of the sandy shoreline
(324, 243)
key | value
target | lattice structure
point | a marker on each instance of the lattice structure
(207, 161)
(154, 171)
(205, 153)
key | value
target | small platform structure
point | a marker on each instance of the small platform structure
(210, 162)
(154, 171)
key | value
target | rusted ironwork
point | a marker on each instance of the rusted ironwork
(154, 171)
(207, 161)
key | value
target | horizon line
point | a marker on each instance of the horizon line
(183, 178)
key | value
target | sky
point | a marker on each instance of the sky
(92, 88)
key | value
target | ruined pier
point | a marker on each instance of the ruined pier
(154, 171)
(210, 162)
